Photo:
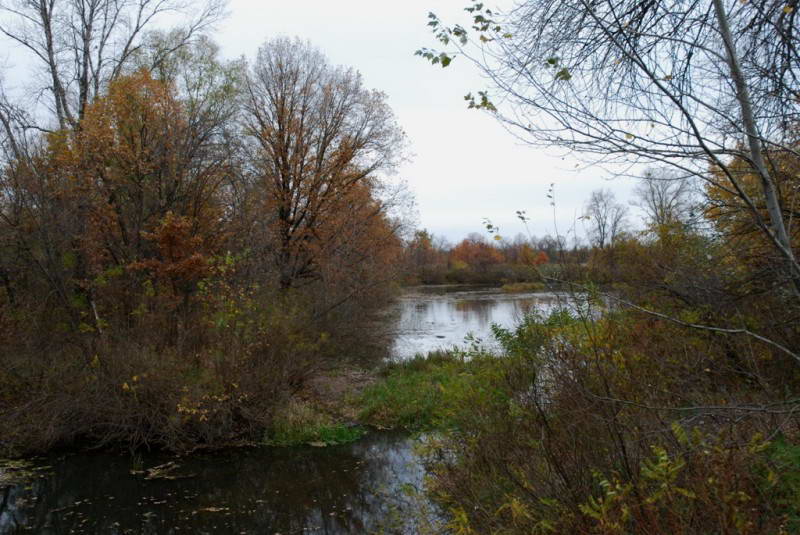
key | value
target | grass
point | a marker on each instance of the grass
(301, 423)
(424, 393)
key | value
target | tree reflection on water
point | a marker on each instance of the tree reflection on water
(358, 488)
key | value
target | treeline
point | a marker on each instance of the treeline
(477, 260)
(183, 239)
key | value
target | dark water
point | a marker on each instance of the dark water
(371, 486)
(367, 487)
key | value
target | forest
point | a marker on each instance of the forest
(188, 243)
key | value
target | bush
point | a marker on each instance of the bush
(251, 351)
(620, 424)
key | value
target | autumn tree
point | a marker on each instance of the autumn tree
(133, 197)
(422, 253)
(477, 253)
(731, 217)
(320, 144)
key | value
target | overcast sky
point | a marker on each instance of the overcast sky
(465, 166)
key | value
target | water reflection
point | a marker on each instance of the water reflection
(441, 317)
(359, 488)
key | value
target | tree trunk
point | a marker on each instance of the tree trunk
(778, 233)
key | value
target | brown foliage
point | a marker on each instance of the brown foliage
(319, 142)
(735, 220)
(135, 301)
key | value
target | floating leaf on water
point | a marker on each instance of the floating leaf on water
(213, 509)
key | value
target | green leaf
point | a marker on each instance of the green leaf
(564, 75)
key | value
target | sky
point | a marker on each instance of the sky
(464, 165)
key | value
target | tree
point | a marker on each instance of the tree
(82, 45)
(320, 141)
(607, 218)
(129, 204)
(475, 252)
(731, 217)
(422, 253)
(680, 83)
(664, 196)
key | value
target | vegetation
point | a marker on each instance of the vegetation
(184, 244)
(300, 423)
(668, 404)
(181, 250)
(476, 260)
(619, 423)
(424, 393)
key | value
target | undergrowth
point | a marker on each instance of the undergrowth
(301, 423)
(424, 393)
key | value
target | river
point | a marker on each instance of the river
(371, 486)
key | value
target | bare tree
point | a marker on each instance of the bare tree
(665, 196)
(320, 143)
(607, 218)
(693, 84)
(81, 45)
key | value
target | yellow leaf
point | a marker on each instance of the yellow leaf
(126, 386)
(788, 9)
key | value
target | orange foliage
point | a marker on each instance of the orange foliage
(540, 259)
(147, 202)
(140, 194)
(477, 254)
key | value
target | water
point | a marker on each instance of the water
(365, 487)
(441, 317)
(371, 486)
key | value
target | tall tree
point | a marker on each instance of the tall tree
(665, 196)
(81, 45)
(319, 142)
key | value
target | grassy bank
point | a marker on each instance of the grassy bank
(425, 392)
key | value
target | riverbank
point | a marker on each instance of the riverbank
(570, 421)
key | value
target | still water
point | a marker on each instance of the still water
(443, 317)
(371, 486)
(365, 487)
